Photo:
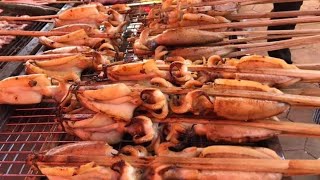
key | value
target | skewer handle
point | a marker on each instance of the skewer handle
(287, 167)
(27, 18)
(271, 15)
(34, 57)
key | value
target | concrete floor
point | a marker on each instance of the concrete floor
(298, 147)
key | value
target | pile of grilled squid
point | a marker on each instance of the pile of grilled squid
(162, 103)
(168, 25)
(160, 107)
(85, 36)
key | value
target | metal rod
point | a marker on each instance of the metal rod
(37, 142)
(32, 116)
(32, 124)
(29, 132)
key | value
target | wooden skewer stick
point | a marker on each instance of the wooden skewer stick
(219, 2)
(269, 46)
(312, 66)
(45, 2)
(285, 43)
(285, 98)
(246, 40)
(27, 18)
(245, 3)
(302, 91)
(256, 23)
(293, 128)
(271, 15)
(287, 167)
(270, 32)
(307, 75)
(47, 33)
(31, 33)
(34, 57)
(285, 127)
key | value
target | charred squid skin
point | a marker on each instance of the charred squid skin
(152, 45)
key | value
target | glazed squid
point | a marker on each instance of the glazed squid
(174, 37)
(104, 128)
(75, 38)
(176, 133)
(171, 172)
(93, 14)
(66, 68)
(90, 170)
(119, 101)
(228, 107)
(135, 71)
(240, 69)
(31, 89)
(173, 16)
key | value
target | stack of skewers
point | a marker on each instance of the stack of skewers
(164, 100)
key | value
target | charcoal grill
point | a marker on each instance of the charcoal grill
(33, 128)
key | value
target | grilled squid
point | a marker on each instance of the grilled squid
(164, 171)
(164, 150)
(115, 100)
(137, 151)
(179, 73)
(98, 128)
(30, 89)
(86, 171)
(90, 14)
(142, 130)
(161, 82)
(64, 69)
(154, 100)
(233, 133)
(196, 101)
(135, 71)
(174, 131)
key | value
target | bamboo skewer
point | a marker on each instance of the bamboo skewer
(256, 23)
(280, 44)
(250, 2)
(287, 167)
(307, 75)
(291, 99)
(269, 46)
(271, 15)
(302, 91)
(46, 33)
(285, 127)
(242, 2)
(27, 18)
(247, 40)
(291, 128)
(34, 57)
(312, 66)
(31, 33)
(45, 2)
